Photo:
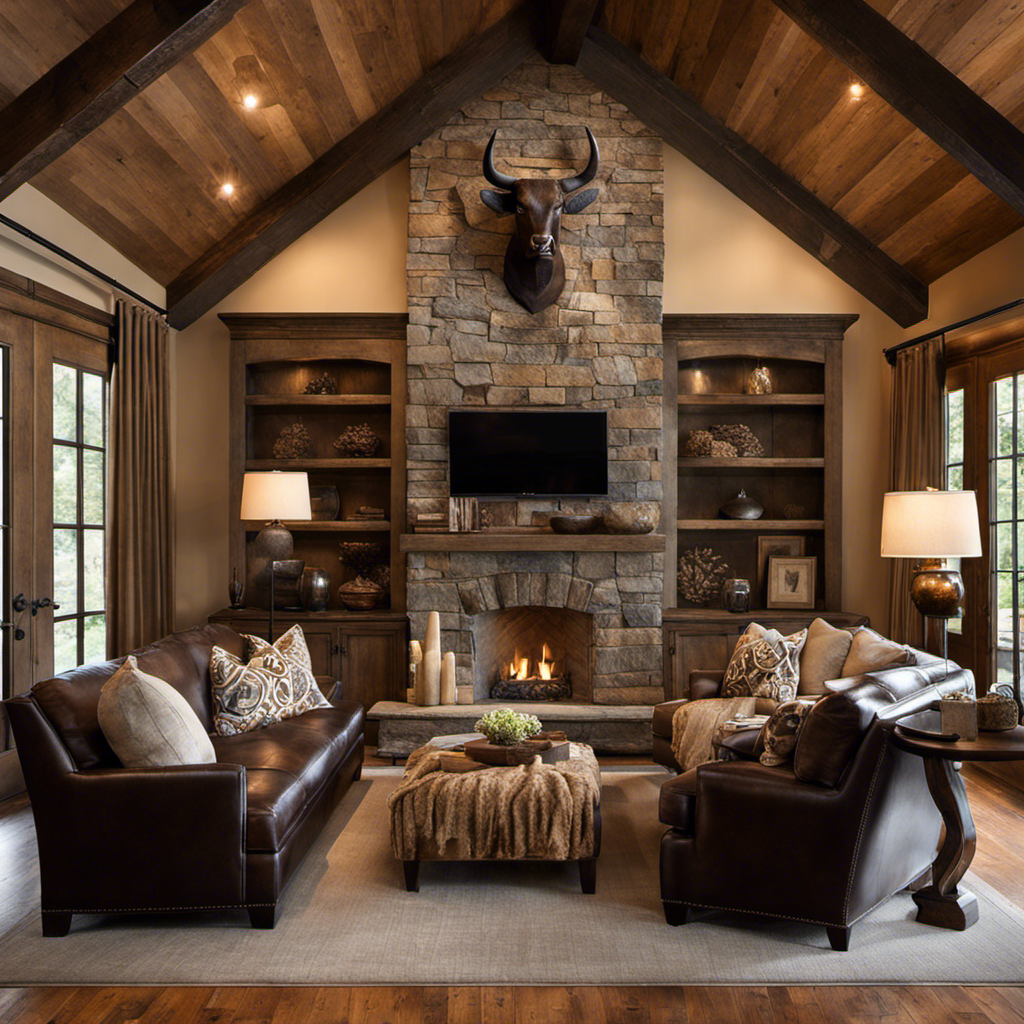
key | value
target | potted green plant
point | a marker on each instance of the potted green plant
(505, 728)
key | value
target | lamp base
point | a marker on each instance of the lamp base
(936, 591)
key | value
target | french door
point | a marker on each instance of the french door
(52, 492)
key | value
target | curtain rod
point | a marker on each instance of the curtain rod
(890, 353)
(72, 258)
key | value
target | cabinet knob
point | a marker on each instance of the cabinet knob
(672, 650)
(339, 649)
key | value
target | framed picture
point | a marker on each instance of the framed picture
(791, 581)
(789, 546)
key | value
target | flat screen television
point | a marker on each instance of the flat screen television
(556, 453)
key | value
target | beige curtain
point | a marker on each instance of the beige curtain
(140, 526)
(917, 439)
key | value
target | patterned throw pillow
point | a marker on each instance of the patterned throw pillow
(765, 664)
(292, 647)
(780, 733)
(247, 697)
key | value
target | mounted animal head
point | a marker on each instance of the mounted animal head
(534, 268)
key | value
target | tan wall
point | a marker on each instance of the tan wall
(352, 262)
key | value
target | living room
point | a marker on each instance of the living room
(335, 328)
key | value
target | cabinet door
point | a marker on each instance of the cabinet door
(371, 665)
(687, 652)
(322, 644)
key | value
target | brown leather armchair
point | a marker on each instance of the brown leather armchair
(824, 839)
(184, 838)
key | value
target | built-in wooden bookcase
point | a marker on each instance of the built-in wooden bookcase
(798, 480)
(274, 356)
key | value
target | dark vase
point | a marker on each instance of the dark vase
(235, 589)
(736, 595)
(316, 589)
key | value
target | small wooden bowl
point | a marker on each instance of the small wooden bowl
(575, 524)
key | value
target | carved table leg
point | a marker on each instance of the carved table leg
(941, 903)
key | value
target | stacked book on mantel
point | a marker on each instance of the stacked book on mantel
(430, 522)
(368, 514)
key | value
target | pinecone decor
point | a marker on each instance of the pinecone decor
(701, 575)
(357, 442)
(325, 384)
(702, 444)
(741, 437)
(293, 442)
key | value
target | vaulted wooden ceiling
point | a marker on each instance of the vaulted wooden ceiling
(133, 125)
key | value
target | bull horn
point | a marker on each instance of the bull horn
(495, 177)
(571, 184)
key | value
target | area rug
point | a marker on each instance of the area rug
(346, 919)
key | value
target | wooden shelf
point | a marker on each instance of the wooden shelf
(299, 464)
(328, 526)
(317, 400)
(750, 524)
(531, 540)
(763, 463)
(762, 400)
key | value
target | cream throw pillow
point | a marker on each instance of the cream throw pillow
(148, 724)
(823, 656)
(871, 652)
(764, 664)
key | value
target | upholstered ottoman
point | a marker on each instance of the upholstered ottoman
(527, 812)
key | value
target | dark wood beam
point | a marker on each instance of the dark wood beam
(566, 24)
(350, 165)
(77, 95)
(751, 176)
(925, 92)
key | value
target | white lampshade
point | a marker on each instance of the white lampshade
(930, 524)
(276, 495)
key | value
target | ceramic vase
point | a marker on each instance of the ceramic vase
(448, 692)
(431, 667)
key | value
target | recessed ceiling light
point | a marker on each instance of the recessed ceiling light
(856, 91)
(250, 102)
(227, 189)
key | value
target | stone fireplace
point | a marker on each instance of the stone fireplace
(597, 347)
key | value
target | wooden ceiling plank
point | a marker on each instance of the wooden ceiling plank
(659, 47)
(428, 30)
(342, 47)
(785, 52)
(921, 89)
(133, 49)
(351, 164)
(566, 24)
(735, 21)
(693, 43)
(966, 30)
(795, 211)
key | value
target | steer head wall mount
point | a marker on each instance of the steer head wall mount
(534, 267)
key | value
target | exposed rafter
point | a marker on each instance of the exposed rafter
(351, 165)
(566, 24)
(746, 172)
(917, 85)
(77, 95)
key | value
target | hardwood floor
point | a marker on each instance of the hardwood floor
(998, 812)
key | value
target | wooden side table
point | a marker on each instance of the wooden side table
(941, 903)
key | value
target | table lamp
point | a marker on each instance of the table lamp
(274, 496)
(932, 526)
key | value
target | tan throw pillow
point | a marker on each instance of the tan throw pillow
(306, 694)
(148, 724)
(780, 733)
(823, 656)
(764, 664)
(870, 652)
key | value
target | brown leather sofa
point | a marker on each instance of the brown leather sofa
(185, 838)
(824, 839)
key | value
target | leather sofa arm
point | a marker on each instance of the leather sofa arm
(143, 838)
(741, 744)
(705, 683)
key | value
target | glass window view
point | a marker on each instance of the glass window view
(1006, 529)
(79, 474)
(954, 466)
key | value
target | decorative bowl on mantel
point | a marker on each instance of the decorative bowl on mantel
(565, 523)
(631, 516)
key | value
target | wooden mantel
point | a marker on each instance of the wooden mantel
(528, 539)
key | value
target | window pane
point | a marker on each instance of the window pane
(93, 566)
(95, 638)
(955, 437)
(65, 570)
(1003, 498)
(955, 481)
(92, 488)
(92, 409)
(65, 401)
(65, 646)
(65, 484)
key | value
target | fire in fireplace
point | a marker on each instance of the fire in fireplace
(524, 678)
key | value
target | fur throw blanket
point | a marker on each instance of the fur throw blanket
(544, 811)
(694, 725)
